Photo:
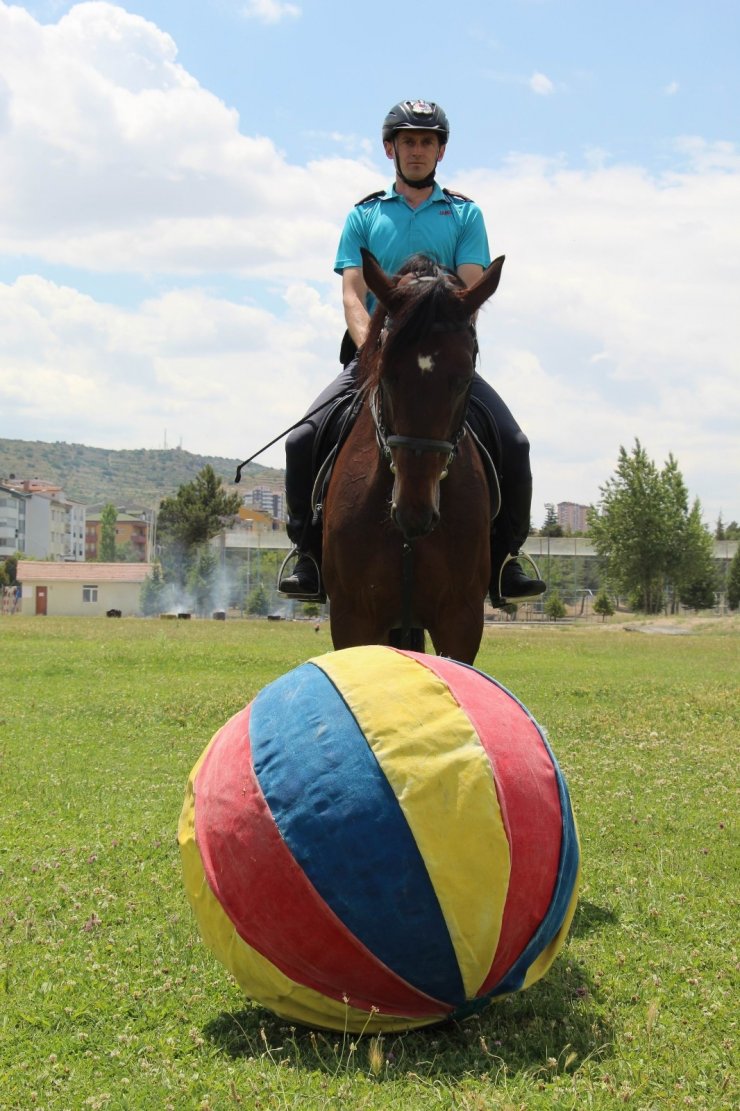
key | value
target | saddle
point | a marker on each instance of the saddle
(335, 426)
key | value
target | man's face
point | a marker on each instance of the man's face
(418, 152)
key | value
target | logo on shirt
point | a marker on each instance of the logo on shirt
(446, 212)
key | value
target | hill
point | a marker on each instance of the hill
(139, 478)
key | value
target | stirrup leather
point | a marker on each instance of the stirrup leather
(294, 554)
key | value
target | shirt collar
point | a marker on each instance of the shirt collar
(436, 194)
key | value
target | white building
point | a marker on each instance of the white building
(46, 523)
(572, 517)
(12, 521)
(269, 501)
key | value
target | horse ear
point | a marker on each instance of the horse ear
(376, 279)
(485, 287)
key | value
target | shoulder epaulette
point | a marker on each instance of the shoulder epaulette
(457, 196)
(370, 197)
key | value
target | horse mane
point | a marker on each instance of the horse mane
(426, 299)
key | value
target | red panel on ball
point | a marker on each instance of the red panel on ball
(522, 768)
(267, 897)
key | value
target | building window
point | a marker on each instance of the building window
(89, 594)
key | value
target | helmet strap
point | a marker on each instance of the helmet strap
(426, 183)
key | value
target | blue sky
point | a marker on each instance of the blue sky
(174, 177)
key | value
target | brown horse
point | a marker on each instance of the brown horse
(402, 548)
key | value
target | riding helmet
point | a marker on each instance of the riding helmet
(418, 115)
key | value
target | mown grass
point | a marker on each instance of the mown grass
(108, 998)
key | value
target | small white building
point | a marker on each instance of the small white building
(81, 589)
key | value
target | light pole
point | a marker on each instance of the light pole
(549, 516)
(149, 517)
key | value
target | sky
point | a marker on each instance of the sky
(174, 177)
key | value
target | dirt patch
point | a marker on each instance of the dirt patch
(684, 625)
(666, 630)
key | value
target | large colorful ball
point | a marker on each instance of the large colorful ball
(380, 840)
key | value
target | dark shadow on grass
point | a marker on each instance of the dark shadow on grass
(589, 917)
(554, 1018)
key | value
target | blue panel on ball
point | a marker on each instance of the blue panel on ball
(336, 812)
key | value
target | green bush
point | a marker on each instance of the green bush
(554, 607)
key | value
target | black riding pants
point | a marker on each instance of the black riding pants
(512, 524)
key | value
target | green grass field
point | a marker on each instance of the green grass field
(109, 1000)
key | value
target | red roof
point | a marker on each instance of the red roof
(29, 571)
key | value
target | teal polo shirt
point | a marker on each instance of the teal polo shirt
(449, 229)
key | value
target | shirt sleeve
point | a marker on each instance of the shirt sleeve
(472, 246)
(353, 237)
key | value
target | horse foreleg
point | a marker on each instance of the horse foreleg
(457, 631)
(351, 627)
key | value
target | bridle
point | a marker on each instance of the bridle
(417, 444)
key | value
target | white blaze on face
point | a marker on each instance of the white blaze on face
(426, 364)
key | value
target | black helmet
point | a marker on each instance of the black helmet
(418, 115)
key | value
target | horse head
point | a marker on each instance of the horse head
(419, 360)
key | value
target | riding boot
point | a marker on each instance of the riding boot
(509, 583)
(304, 581)
(300, 469)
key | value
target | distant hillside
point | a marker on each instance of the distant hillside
(127, 478)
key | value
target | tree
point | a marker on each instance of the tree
(646, 538)
(554, 607)
(551, 526)
(730, 531)
(193, 516)
(257, 603)
(10, 566)
(675, 505)
(603, 605)
(626, 528)
(697, 577)
(202, 580)
(107, 549)
(733, 582)
(153, 592)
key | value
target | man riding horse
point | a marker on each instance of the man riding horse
(414, 216)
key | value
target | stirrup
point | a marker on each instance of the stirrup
(294, 554)
(502, 600)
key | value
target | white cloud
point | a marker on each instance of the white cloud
(622, 286)
(541, 84)
(616, 316)
(224, 376)
(671, 88)
(352, 145)
(114, 158)
(270, 11)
